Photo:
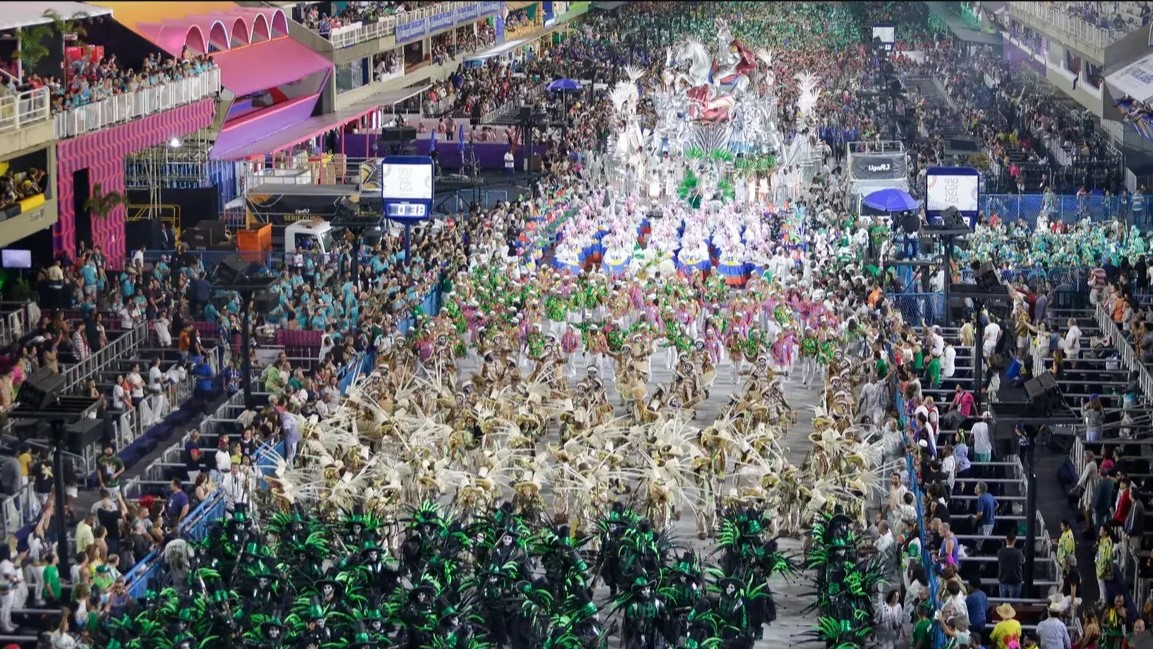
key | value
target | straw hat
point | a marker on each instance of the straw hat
(1006, 611)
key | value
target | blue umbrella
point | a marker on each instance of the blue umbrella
(891, 200)
(564, 85)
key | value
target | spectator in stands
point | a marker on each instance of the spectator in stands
(976, 604)
(177, 506)
(1051, 632)
(203, 488)
(1008, 629)
(193, 455)
(1124, 501)
(109, 516)
(1010, 562)
(1093, 412)
(236, 487)
(1070, 578)
(890, 622)
(135, 384)
(986, 515)
(1104, 496)
(290, 428)
(10, 582)
(109, 468)
(1104, 563)
(205, 388)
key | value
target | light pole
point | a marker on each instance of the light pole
(41, 400)
(228, 278)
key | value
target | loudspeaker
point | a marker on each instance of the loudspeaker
(1043, 394)
(41, 389)
(265, 301)
(82, 434)
(230, 270)
(397, 134)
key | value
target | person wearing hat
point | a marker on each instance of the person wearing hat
(1052, 632)
(1008, 630)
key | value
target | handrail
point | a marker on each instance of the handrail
(357, 33)
(1077, 28)
(131, 105)
(1128, 354)
(513, 104)
(22, 109)
(77, 373)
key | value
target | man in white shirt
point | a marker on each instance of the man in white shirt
(982, 447)
(155, 375)
(936, 341)
(949, 362)
(989, 342)
(234, 487)
(223, 463)
(163, 333)
(135, 384)
(1072, 342)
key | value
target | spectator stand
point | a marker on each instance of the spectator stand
(149, 573)
(1006, 479)
(1133, 458)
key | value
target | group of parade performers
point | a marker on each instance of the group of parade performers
(498, 580)
(496, 564)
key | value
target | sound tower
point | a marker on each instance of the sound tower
(1043, 394)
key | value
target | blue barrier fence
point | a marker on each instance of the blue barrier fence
(918, 499)
(1064, 207)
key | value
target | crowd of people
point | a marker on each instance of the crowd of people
(1118, 19)
(362, 11)
(15, 186)
(88, 81)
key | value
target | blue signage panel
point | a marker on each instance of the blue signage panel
(406, 187)
(467, 12)
(412, 31)
(489, 9)
(441, 21)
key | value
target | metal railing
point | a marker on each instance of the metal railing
(511, 106)
(131, 105)
(358, 33)
(18, 510)
(130, 425)
(22, 109)
(350, 35)
(1064, 207)
(116, 350)
(15, 323)
(1076, 29)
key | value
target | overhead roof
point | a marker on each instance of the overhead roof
(27, 14)
(307, 129)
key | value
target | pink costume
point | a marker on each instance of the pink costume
(785, 348)
(715, 346)
(569, 341)
(636, 296)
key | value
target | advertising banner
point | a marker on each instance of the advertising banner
(412, 31)
(880, 166)
(489, 9)
(467, 12)
(441, 21)
(282, 209)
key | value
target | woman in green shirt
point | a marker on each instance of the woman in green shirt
(933, 370)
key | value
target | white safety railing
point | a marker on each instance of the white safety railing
(1128, 354)
(128, 106)
(116, 350)
(1075, 29)
(357, 33)
(21, 109)
(130, 425)
(18, 510)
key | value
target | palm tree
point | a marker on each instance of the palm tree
(34, 40)
(101, 204)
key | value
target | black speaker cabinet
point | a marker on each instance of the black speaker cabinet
(41, 388)
(230, 270)
(398, 134)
